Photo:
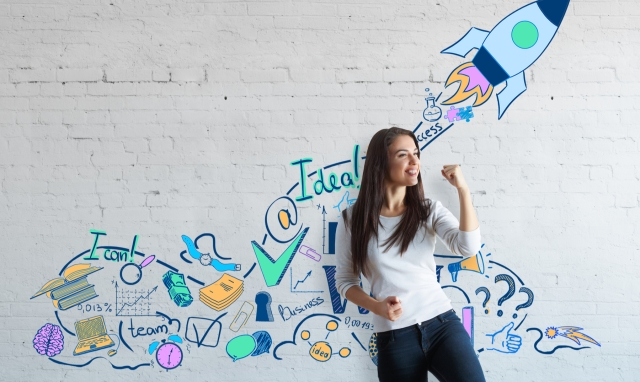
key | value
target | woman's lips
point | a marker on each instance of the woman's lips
(412, 172)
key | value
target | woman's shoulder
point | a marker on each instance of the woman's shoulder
(431, 204)
(347, 213)
(435, 208)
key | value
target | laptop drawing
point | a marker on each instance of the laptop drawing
(92, 335)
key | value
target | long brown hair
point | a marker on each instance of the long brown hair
(365, 214)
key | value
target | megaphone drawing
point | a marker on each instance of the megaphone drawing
(472, 264)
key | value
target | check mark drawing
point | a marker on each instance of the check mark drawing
(274, 270)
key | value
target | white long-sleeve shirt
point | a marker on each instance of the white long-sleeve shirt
(412, 276)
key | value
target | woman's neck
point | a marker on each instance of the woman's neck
(393, 204)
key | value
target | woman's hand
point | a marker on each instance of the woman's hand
(453, 174)
(468, 218)
(389, 308)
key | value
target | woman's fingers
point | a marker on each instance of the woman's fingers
(449, 168)
(451, 171)
(394, 308)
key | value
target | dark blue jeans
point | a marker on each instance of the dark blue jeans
(440, 345)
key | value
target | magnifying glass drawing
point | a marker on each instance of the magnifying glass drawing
(138, 275)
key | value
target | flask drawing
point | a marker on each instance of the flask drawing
(432, 112)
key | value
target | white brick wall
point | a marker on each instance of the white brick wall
(174, 118)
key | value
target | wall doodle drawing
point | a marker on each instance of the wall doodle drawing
(471, 264)
(504, 341)
(178, 290)
(373, 348)
(510, 292)
(295, 289)
(431, 113)
(206, 258)
(263, 303)
(201, 331)
(273, 270)
(487, 297)
(512, 46)
(72, 289)
(280, 220)
(242, 317)
(92, 335)
(321, 350)
(133, 302)
(328, 235)
(241, 346)
(263, 343)
(246, 345)
(169, 354)
(287, 232)
(222, 293)
(49, 340)
(136, 269)
(292, 227)
(295, 332)
(303, 280)
(310, 253)
(344, 203)
(570, 332)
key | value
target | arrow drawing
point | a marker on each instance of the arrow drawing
(291, 288)
(303, 280)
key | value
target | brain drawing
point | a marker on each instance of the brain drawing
(49, 340)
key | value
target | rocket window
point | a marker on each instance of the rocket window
(524, 34)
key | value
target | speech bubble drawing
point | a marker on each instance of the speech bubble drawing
(241, 346)
(263, 343)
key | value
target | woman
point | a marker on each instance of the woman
(389, 237)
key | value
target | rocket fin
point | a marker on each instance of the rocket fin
(516, 85)
(473, 39)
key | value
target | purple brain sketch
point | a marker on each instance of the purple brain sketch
(49, 340)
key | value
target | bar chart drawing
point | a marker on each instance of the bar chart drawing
(328, 242)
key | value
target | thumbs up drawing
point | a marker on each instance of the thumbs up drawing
(505, 342)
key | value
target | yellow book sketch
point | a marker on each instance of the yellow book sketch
(71, 274)
(78, 297)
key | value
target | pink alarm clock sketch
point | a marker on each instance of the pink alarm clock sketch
(169, 354)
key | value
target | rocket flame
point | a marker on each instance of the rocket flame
(572, 333)
(471, 82)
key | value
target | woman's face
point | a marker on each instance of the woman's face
(404, 163)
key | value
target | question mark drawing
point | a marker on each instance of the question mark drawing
(529, 301)
(487, 295)
(510, 292)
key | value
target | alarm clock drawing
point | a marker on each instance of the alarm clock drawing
(168, 354)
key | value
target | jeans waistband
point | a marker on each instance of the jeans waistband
(439, 317)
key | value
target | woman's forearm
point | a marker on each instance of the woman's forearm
(468, 218)
(356, 295)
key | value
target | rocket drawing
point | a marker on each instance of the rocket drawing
(513, 45)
